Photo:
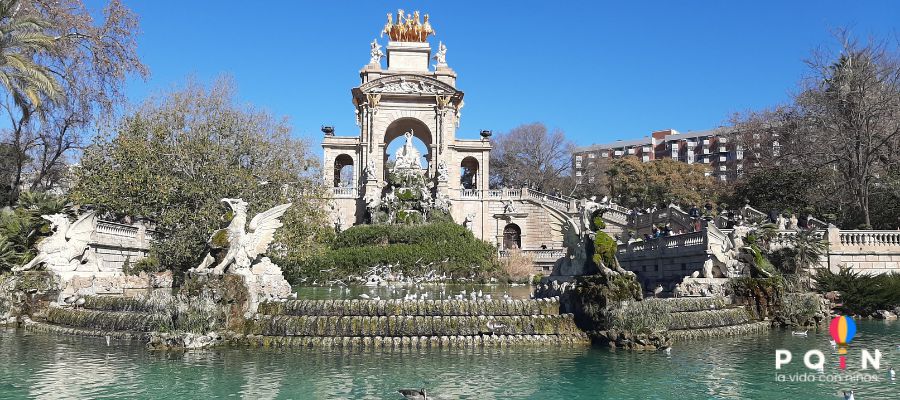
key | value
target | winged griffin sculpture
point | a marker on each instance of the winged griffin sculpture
(243, 246)
(65, 249)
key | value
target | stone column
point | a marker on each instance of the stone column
(833, 234)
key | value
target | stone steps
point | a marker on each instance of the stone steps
(121, 303)
(379, 308)
(720, 331)
(707, 318)
(68, 330)
(110, 321)
(414, 342)
(401, 326)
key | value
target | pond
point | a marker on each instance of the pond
(51, 367)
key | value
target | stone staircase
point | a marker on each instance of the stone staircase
(386, 324)
(690, 318)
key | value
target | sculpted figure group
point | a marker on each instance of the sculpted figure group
(408, 27)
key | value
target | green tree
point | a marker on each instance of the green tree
(24, 39)
(89, 55)
(803, 254)
(843, 126)
(782, 188)
(643, 184)
(174, 158)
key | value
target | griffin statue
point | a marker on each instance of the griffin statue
(66, 248)
(241, 247)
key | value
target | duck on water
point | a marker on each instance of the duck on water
(414, 394)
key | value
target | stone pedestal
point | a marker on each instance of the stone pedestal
(264, 282)
(408, 56)
(109, 283)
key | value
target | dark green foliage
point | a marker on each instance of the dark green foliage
(173, 159)
(414, 249)
(758, 287)
(861, 294)
(22, 227)
(782, 188)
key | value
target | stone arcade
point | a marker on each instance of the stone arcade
(410, 97)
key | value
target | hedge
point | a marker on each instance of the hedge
(415, 249)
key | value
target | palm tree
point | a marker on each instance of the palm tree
(808, 248)
(22, 38)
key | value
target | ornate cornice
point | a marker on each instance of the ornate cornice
(407, 84)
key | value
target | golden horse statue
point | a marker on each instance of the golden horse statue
(408, 27)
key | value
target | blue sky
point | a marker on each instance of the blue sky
(600, 71)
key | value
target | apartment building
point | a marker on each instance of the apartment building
(716, 148)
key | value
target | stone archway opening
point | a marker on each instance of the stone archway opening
(395, 139)
(343, 171)
(468, 173)
(512, 237)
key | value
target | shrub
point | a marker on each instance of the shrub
(861, 294)
(412, 249)
(518, 266)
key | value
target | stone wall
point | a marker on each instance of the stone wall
(865, 251)
(116, 244)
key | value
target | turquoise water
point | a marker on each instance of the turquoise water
(52, 367)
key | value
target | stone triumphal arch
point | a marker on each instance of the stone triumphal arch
(412, 96)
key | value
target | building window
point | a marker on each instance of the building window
(592, 155)
(604, 154)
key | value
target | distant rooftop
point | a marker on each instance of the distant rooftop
(646, 139)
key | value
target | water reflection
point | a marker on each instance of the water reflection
(47, 366)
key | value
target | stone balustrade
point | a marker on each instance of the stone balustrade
(344, 192)
(861, 239)
(537, 254)
(116, 244)
(117, 229)
(663, 246)
(557, 202)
